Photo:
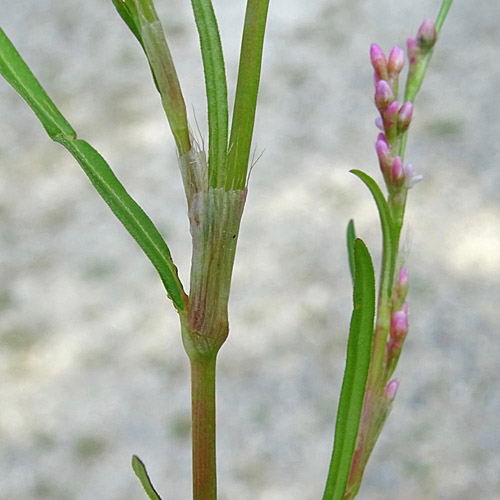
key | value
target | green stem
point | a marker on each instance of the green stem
(203, 427)
(216, 88)
(445, 7)
(247, 89)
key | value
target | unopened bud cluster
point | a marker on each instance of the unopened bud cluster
(394, 119)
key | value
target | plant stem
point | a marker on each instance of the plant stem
(203, 427)
(247, 88)
(216, 89)
(445, 7)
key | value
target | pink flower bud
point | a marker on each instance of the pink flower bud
(383, 95)
(390, 115)
(397, 172)
(391, 389)
(384, 157)
(399, 325)
(392, 108)
(412, 50)
(405, 116)
(381, 137)
(396, 61)
(426, 36)
(379, 61)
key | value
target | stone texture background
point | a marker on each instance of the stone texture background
(91, 363)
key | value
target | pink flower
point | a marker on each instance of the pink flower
(383, 95)
(384, 156)
(410, 177)
(397, 172)
(405, 116)
(379, 61)
(412, 46)
(399, 325)
(391, 389)
(396, 60)
(426, 36)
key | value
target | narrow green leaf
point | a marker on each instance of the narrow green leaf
(18, 74)
(216, 89)
(130, 214)
(142, 474)
(355, 374)
(247, 88)
(351, 236)
(128, 13)
(388, 240)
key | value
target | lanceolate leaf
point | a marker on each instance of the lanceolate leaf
(130, 214)
(17, 73)
(389, 252)
(142, 474)
(355, 374)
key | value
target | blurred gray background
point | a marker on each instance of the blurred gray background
(91, 364)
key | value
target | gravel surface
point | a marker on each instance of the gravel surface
(91, 364)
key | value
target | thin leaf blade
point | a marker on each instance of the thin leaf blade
(355, 374)
(142, 474)
(388, 240)
(19, 76)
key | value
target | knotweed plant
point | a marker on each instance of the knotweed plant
(215, 184)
